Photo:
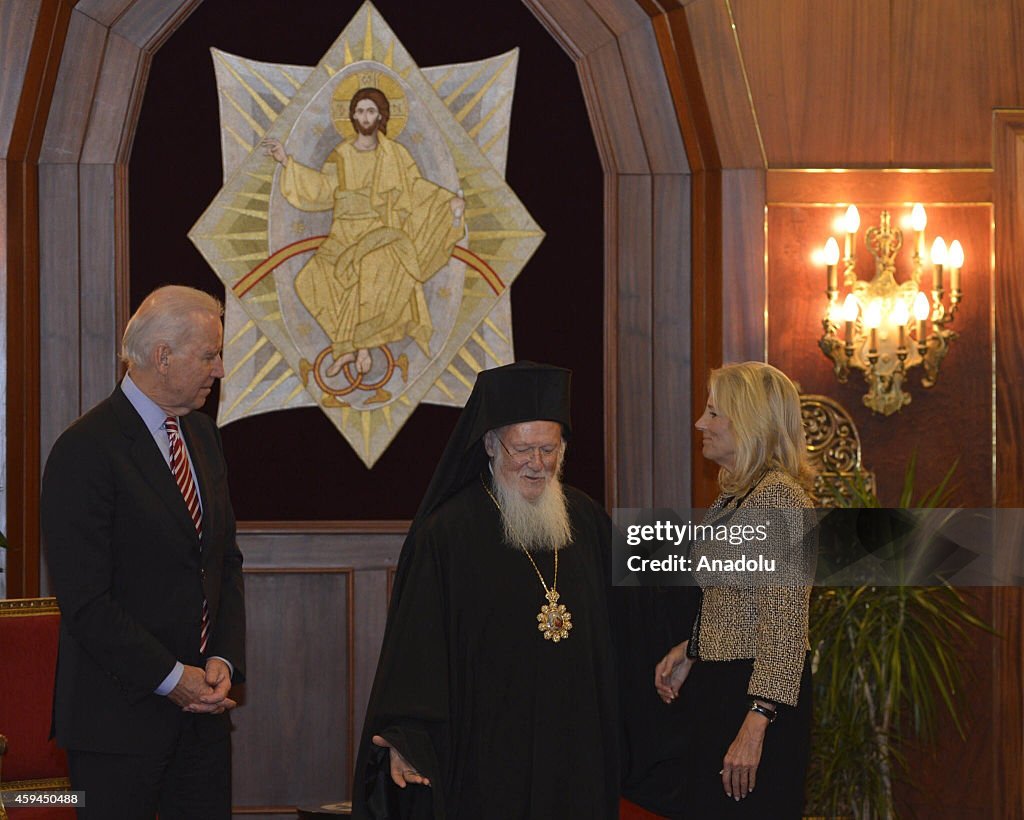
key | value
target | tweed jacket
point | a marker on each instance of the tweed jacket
(760, 616)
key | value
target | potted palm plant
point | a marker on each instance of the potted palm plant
(885, 667)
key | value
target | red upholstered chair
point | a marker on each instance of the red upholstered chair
(28, 657)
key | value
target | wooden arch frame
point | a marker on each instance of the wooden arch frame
(90, 106)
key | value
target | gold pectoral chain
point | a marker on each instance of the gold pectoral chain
(554, 620)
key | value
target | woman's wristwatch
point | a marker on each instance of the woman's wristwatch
(765, 711)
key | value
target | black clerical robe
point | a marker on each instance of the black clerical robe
(505, 723)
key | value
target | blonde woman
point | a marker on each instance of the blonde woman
(746, 663)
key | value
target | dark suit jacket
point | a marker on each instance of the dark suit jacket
(125, 563)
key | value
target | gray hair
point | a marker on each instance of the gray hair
(160, 320)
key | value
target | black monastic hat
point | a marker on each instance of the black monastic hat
(515, 393)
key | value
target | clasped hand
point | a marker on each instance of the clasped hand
(204, 692)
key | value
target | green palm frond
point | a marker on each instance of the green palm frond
(886, 666)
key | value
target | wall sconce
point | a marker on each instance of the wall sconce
(884, 323)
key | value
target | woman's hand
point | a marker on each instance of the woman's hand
(671, 672)
(739, 768)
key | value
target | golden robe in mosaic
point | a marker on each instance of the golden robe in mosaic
(391, 231)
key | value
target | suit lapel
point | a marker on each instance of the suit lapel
(150, 462)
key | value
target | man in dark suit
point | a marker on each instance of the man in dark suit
(140, 541)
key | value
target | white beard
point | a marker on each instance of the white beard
(542, 524)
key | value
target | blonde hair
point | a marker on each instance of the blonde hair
(160, 319)
(763, 409)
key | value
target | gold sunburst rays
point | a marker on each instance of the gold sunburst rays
(275, 359)
(238, 236)
(476, 213)
(258, 129)
(259, 344)
(279, 95)
(454, 95)
(440, 385)
(268, 111)
(469, 359)
(489, 115)
(505, 234)
(246, 146)
(496, 330)
(294, 82)
(481, 342)
(252, 257)
(487, 85)
(487, 146)
(240, 333)
(281, 379)
(442, 79)
(368, 36)
(256, 214)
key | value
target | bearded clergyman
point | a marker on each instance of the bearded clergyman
(495, 694)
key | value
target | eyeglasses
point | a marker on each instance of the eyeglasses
(524, 455)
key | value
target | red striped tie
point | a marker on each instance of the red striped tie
(183, 475)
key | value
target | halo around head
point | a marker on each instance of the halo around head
(369, 77)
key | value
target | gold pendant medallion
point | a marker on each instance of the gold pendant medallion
(554, 620)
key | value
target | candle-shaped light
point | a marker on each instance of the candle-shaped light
(850, 309)
(872, 319)
(918, 221)
(900, 316)
(938, 260)
(831, 256)
(851, 224)
(921, 311)
(955, 261)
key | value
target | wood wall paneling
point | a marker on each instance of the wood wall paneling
(101, 188)
(878, 186)
(818, 74)
(743, 271)
(725, 92)
(576, 27)
(634, 443)
(21, 252)
(1008, 603)
(659, 129)
(3, 359)
(609, 86)
(1008, 161)
(119, 84)
(619, 17)
(298, 695)
(60, 346)
(706, 333)
(104, 12)
(612, 372)
(147, 23)
(73, 94)
(679, 59)
(934, 791)
(372, 592)
(953, 62)
(672, 431)
(368, 553)
(17, 26)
